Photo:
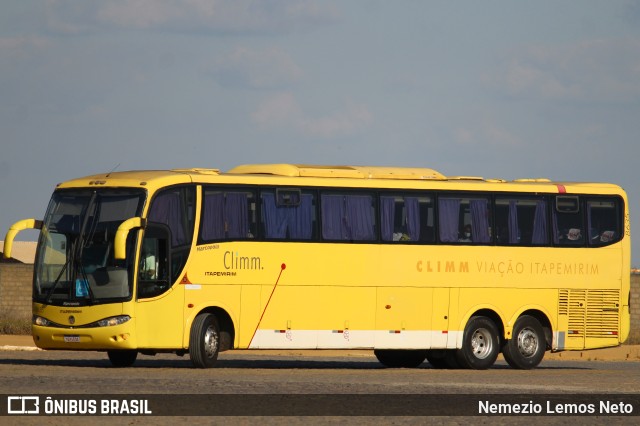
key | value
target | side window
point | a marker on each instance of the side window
(154, 276)
(348, 217)
(228, 214)
(604, 219)
(568, 222)
(521, 221)
(464, 219)
(288, 214)
(170, 230)
(175, 208)
(406, 218)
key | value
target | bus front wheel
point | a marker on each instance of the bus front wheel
(480, 344)
(204, 341)
(526, 348)
(122, 358)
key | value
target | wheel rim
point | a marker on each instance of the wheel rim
(210, 342)
(527, 342)
(481, 343)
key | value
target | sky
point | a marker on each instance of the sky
(500, 89)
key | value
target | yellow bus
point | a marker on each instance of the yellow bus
(404, 261)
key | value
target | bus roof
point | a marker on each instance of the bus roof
(330, 176)
(360, 172)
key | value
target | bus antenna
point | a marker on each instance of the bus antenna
(113, 170)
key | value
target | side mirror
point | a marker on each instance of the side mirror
(13, 231)
(120, 243)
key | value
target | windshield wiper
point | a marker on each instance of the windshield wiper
(82, 238)
(55, 283)
(75, 259)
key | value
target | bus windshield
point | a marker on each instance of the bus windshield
(75, 263)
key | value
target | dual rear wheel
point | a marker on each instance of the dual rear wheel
(526, 348)
(480, 348)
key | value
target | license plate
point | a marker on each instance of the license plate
(72, 339)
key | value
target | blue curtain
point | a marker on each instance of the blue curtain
(347, 217)
(449, 216)
(540, 224)
(225, 216)
(479, 221)
(513, 222)
(412, 208)
(387, 213)
(360, 220)
(236, 213)
(300, 219)
(333, 215)
(554, 224)
(274, 218)
(166, 210)
(297, 219)
(213, 217)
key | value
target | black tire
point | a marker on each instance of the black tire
(443, 359)
(204, 341)
(437, 359)
(400, 358)
(480, 344)
(122, 358)
(527, 346)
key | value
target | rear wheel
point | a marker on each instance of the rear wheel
(526, 348)
(395, 358)
(204, 341)
(123, 358)
(480, 344)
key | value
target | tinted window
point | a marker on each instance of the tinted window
(406, 218)
(288, 214)
(521, 220)
(568, 221)
(228, 214)
(464, 219)
(349, 217)
(604, 219)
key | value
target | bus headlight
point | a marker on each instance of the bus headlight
(109, 322)
(41, 321)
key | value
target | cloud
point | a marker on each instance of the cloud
(282, 111)
(269, 68)
(208, 16)
(632, 11)
(486, 135)
(592, 71)
(23, 42)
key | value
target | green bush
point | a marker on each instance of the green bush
(9, 324)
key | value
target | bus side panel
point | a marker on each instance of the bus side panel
(346, 317)
(403, 317)
(290, 318)
(250, 312)
(160, 320)
(442, 309)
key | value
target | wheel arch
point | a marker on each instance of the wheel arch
(542, 317)
(487, 311)
(225, 322)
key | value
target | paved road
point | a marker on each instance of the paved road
(90, 373)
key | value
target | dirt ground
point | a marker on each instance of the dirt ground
(620, 353)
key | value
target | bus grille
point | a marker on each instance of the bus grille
(591, 313)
